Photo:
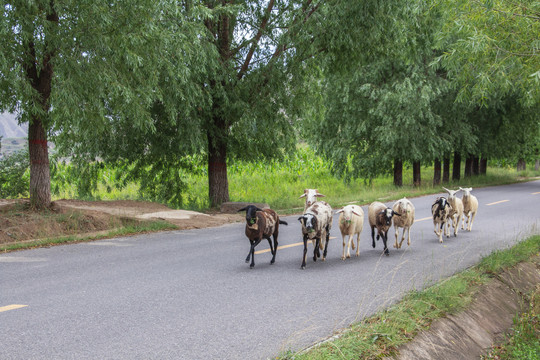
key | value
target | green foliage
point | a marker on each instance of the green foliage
(276, 182)
(523, 343)
(491, 48)
(382, 103)
(15, 175)
(502, 259)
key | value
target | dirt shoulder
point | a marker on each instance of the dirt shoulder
(19, 223)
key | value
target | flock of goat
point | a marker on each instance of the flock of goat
(317, 222)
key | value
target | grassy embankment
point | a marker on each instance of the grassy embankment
(380, 335)
(22, 228)
(280, 183)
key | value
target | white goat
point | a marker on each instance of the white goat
(351, 222)
(441, 211)
(457, 209)
(316, 224)
(311, 196)
(470, 207)
(405, 221)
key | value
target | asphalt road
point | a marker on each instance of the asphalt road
(190, 295)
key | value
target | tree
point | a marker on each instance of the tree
(492, 48)
(380, 92)
(70, 64)
(247, 84)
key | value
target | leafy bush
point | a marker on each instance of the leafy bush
(15, 175)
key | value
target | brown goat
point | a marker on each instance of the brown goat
(261, 224)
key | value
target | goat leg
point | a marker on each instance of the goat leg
(274, 251)
(303, 267)
(384, 236)
(316, 252)
(326, 245)
(253, 244)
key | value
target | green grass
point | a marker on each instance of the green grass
(280, 183)
(380, 335)
(524, 341)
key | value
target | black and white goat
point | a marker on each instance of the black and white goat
(261, 224)
(441, 215)
(316, 224)
(380, 217)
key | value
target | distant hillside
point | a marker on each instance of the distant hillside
(13, 135)
(9, 127)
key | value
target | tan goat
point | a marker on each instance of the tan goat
(470, 207)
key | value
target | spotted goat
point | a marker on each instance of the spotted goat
(316, 224)
(441, 214)
(311, 196)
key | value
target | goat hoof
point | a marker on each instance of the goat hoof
(343, 258)
(302, 267)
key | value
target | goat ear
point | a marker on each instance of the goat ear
(242, 209)
(319, 195)
(395, 213)
(355, 213)
(303, 195)
(445, 189)
(257, 209)
(339, 211)
(300, 218)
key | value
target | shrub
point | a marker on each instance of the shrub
(15, 175)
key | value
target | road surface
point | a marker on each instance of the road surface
(190, 295)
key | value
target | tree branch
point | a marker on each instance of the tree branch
(256, 39)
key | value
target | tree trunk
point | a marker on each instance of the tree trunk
(437, 172)
(218, 183)
(536, 165)
(483, 166)
(456, 169)
(521, 165)
(398, 172)
(417, 181)
(446, 170)
(476, 166)
(40, 179)
(468, 166)
(39, 72)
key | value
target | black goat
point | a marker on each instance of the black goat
(261, 224)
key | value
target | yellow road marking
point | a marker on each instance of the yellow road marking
(286, 246)
(423, 219)
(11, 307)
(497, 202)
(536, 193)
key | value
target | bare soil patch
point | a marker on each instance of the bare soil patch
(76, 217)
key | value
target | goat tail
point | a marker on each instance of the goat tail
(283, 222)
